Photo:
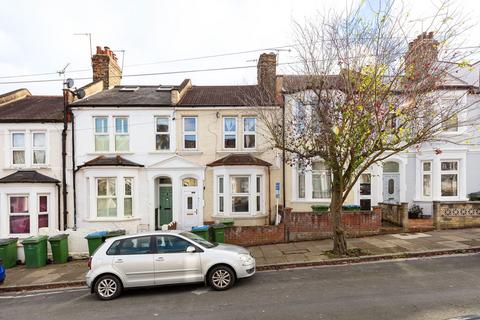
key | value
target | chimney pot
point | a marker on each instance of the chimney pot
(106, 68)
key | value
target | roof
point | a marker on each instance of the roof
(103, 161)
(33, 109)
(131, 95)
(295, 83)
(217, 96)
(28, 176)
(236, 159)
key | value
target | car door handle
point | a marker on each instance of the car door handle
(159, 259)
(118, 260)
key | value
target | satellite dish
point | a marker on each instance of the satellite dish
(80, 93)
(69, 83)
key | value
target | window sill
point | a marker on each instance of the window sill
(107, 153)
(311, 201)
(239, 151)
(241, 216)
(111, 219)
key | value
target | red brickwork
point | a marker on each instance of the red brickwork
(299, 226)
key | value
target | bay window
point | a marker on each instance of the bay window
(162, 134)
(18, 148)
(19, 214)
(321, 181)
(258, 193)
(190, 133)
(128, 198)
(240, 193)
(427, 178)
(249, 129)
(221, 197)
(230, 132)
(449, 178)
(43, 210)
(39, 148)
(106, 197)
(101, 134)
(122, 142)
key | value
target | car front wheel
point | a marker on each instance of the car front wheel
(108, 287)
(221, 278)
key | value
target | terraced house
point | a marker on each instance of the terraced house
(147, 156)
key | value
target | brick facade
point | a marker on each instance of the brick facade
(105, 68)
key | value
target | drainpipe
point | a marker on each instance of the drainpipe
(58, 207)
(269, 197)
(283, 154)
(74, 173)
(64, 157)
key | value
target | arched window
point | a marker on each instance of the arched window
(189, 182)
(164, 180)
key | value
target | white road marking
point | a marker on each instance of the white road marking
(200, 291)
(40, 293)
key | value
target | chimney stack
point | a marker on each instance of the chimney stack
(105, 68)
(267, 72)
(421, 56)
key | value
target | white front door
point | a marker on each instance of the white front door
(190, 207)
(391, 187)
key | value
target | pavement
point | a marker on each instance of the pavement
(280, 256)
(430, 288)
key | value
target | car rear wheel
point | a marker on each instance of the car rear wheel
(108, 287)
(221, 278)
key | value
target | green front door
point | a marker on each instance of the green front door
(165, 207)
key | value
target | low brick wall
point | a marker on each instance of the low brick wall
(313, 226)
(456, 215)
(255, 235)
(300, 226)
(396, 214)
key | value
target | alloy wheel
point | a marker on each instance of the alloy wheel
(107, 288)
(221, 278)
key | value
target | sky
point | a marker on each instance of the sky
(39, 37)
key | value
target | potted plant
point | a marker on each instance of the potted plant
(415, 212)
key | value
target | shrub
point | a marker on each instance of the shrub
(415, 212)
(351, 207)
(320, 208)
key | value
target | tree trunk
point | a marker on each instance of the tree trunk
(339, 242)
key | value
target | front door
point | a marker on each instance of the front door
(173, 264)
(190, 207)
(391, 187)
(133, 260)
(165, 205)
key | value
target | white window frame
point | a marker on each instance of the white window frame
(96, 134)
(130, 196)
(221, 195)
(44, 148)
(39, 213)
(449, 172)
(97, 197)
(116, 133)
(308, 173)
(230, 133)
(321, 173)
(241, 194)
(167, 133)
(190, 133)
(28, 213)
(258, 193)
(249, 133)
(13, 148)
(426, 173)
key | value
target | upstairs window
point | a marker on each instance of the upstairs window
(451, 124)
(121, 134)
(39, 148)
(101, 134)
(249, 129)
(18, 148)
(190, 133)
(230, 132)
(162, 136)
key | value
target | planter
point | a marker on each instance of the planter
(351, 208)
(320, 208)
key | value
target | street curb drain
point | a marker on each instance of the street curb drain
(280, 266)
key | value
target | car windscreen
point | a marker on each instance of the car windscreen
(198, 239)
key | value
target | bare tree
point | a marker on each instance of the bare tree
(362, 91)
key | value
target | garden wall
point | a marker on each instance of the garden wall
(456, 215)
(396, 214)
(300, 226)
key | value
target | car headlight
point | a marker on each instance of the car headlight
(245, 258)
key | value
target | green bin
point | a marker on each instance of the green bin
(59, 245)
(35, 249)
(228, 222)
(201, 231)
(8, 252)
(218, 232)
(95, 239)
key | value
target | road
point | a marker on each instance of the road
(435, 288)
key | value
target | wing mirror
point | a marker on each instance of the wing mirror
(191, 249)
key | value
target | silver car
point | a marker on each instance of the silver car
(165, 257)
